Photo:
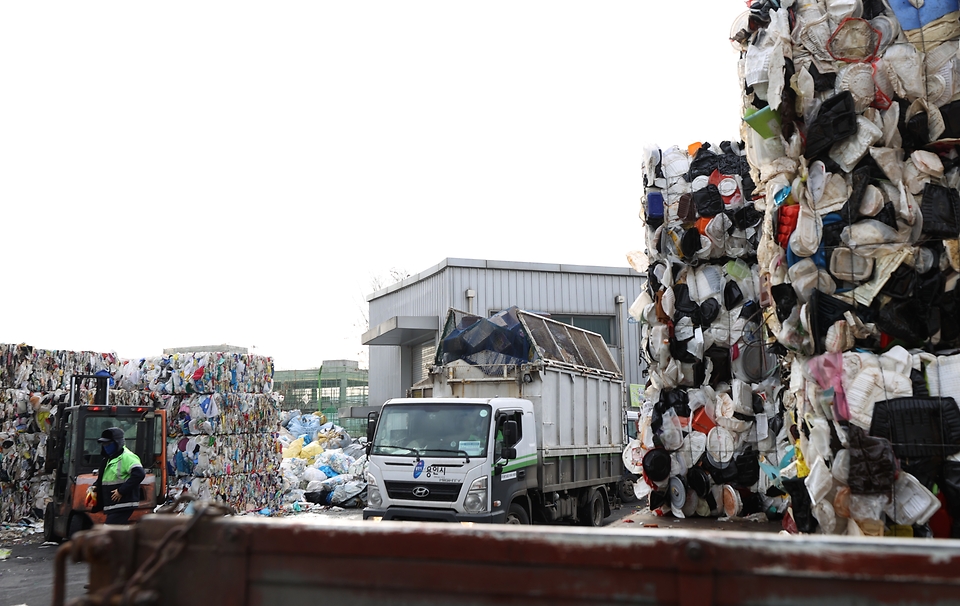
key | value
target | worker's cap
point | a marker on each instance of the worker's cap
(109, 435)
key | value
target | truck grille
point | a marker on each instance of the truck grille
(437, 492)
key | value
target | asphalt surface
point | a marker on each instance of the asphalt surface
(26, 575)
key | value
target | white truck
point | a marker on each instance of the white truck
(520, 421)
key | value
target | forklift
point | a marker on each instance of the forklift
(73, 454)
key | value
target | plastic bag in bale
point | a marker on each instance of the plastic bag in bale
(836, 120)
(748, 469)
(902, 282)
(801, 505)
(708, 201)
(873, 464)
(824, 312)
(709, 310)
(950, 485)
(721, 368)
(684, 305)
(940, 207)
(703, 163)
(903, 319)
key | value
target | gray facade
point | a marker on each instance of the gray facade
(406, 317)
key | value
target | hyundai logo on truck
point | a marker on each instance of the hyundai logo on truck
(421, 491)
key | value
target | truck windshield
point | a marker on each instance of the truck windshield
(418, 429)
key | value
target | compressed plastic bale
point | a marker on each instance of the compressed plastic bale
(848, 152)
(841, 466)
(912, 502)
(940, 207)
(918, 427)
(805, 239)
(835, 121)
(858, 79)
(850, 267)
(927, 24)
(873, 465)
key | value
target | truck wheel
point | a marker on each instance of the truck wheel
(49, 534)
(77, 523)
(592, 512)
(517, 515)
(627, 495)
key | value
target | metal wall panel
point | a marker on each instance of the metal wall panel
(537, 287)
(578, 411)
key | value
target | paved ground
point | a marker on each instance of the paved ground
(639, 516)
(26, 576)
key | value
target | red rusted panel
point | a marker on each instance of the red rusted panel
(255, 561)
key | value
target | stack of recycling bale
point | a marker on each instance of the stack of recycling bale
(710, 423)
(33, 383)
(221, 423)
(219, 408)
(852, 120)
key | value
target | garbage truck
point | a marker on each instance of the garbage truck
(519, 421)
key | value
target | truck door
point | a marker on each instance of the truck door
(514, 460)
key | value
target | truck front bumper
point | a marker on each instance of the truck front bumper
(433, 515)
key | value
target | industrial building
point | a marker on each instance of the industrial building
(300, 388)
(336, 386)
(406, 318)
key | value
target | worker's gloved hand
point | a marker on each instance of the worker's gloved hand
(90, 499)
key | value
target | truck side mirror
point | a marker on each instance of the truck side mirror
(371, 426)
(510, 433)
(509, 453)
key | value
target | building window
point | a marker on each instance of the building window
(602, 325)
(421, 358)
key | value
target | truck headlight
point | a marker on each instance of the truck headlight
(476, 499)
(374, 499)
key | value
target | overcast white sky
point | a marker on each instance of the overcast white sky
(189, 173)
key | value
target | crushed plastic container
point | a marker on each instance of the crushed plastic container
(912, 503)
(850, 267)
(765, 121)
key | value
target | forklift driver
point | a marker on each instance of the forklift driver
(117, 488)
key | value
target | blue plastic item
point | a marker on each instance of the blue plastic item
(911, 17)
(819, 258)
(654, 205)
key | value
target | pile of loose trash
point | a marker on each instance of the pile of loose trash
(322, 465)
